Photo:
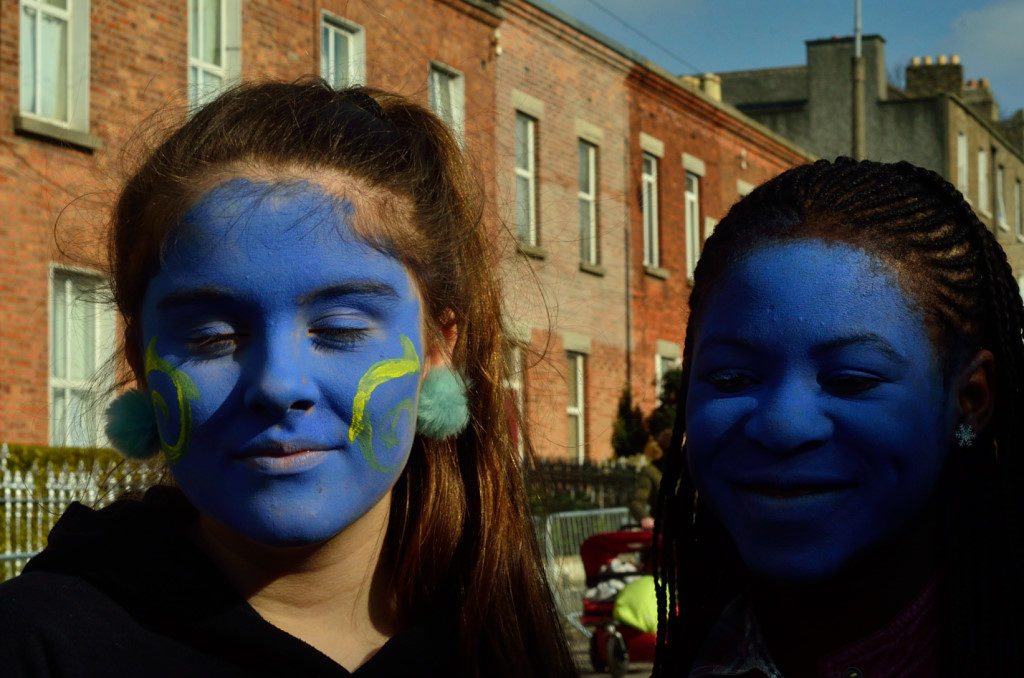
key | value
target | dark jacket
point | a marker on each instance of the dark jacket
(124, 592)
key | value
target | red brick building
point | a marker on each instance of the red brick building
(693, 158)
(561, 121)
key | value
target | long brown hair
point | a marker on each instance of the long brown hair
(951, 265)
(460, 533)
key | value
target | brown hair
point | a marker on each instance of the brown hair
(952, 267)
(460, 533)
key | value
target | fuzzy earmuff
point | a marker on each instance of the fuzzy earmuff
(443, 411)
(131, 425)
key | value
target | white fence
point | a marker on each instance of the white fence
(561, 535)
(33, 498)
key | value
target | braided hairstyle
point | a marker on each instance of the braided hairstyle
(951, 266)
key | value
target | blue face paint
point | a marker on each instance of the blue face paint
(817, 421)
(278, 316)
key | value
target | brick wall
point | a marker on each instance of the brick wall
(731, 150)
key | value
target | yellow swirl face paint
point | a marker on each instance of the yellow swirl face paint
(186, 392)
(361, 429)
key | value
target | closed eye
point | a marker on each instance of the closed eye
(339, 337)
(210, 345)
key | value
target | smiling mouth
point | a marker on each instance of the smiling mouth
(795, 492)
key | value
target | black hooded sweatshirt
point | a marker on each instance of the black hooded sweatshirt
(124, 592)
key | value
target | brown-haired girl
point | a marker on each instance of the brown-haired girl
(312, 319)
(847, 501)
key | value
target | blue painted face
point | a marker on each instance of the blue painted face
(817, 421)
(283, 356)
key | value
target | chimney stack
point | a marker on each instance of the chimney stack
(926, 78)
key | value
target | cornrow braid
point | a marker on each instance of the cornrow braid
(951, 266)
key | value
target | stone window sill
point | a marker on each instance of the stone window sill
(533, 251)
(656, 272)
(55, 134)
(592, 269)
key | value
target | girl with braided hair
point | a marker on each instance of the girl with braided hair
(841, 496)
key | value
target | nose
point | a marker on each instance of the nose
(280, 378)
(788, 418)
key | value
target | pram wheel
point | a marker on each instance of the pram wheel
(617, 653)
(595, 656)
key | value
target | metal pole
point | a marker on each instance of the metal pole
(858, 88)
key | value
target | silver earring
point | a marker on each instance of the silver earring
(965, 435)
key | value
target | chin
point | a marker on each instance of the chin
(794, 567)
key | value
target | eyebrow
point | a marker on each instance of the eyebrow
(354, 288)
(210, 295)
(870, 339)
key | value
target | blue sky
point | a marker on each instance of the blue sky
(727, 35)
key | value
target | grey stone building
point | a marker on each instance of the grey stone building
(937, 120)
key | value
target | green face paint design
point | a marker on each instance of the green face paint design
(380, 372)
(185, 390)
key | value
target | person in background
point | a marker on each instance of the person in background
(848, 498)
(648, 480)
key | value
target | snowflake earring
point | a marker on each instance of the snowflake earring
(965, 436)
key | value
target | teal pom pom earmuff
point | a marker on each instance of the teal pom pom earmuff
(131, 425)
(443, 410)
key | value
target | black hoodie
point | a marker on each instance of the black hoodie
(124, 592)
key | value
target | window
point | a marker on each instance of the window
(514, 388)
(961, 163)
(983, 203)
(54, 61)
(649, 197)
(692, 210)
(447, 97)
(1001, 199)
(81, 341)
(214, 47)
(342, 52)
(587, 153)
(526, 179)
(575, 410)
(1018, 211)
(662, 364)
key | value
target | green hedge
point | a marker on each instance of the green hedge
(21, 456)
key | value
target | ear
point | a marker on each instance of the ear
(975, 391)
(439, 353)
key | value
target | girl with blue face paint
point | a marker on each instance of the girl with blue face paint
(840, 496)
(311, 315)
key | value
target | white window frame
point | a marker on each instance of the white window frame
(649, 209)
(691, 212)
(659, 372)
(456, 95)
(1018, 210)
(356, 41)
(514, 382)
(76, 69)
(1001, 198)
(588, 241)
(577, 410)
(99, 384)
(230, 51)
(963, 173)
(983, 187)
(529, 173)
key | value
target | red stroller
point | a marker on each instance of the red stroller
(611, 559)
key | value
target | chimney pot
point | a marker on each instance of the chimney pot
(955, 59)
(915, 61)
(983, 83)
(942, 59)
(927, 61)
